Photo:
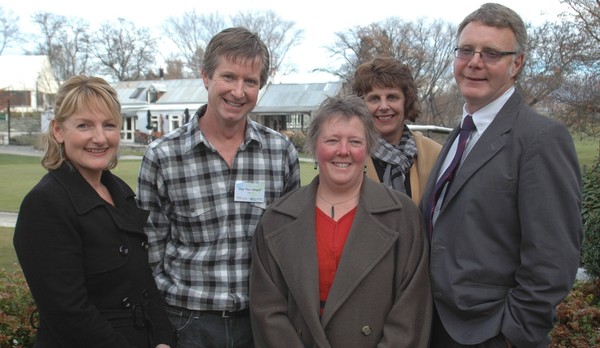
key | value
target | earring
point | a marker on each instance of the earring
(365, 169)
(60, 151)
(315, 165)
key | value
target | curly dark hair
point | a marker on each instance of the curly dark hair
(388, 72)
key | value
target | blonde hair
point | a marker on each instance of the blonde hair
(79, 93)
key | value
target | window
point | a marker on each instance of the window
(136, 93)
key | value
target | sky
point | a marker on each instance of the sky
(320, 19)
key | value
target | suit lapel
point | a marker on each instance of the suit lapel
(490, 143)
(435, 171)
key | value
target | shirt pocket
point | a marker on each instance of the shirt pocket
(197, 224)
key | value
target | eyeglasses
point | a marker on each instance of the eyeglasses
(487, 55)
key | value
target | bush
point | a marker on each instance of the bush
(590, 214)
(16, 307)
(578, 318)
(591, 191)
(298, 139)
(25, 139)
(590, 250)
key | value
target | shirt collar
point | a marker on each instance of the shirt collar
(196, 137)
(484, 116)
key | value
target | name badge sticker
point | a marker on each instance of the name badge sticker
(253, 192)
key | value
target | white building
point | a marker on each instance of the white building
(27, 82)
(151, 108)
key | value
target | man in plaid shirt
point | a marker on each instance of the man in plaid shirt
(206, 185)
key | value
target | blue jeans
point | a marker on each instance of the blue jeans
(208, 329)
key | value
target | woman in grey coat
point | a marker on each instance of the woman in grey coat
(342, 262)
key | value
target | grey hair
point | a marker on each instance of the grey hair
(499, 16)
(346, 108)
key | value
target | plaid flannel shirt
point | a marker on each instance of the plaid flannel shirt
(199, 236)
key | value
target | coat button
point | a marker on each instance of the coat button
(123, 250)
(366, 330)
(145, 245)
(126, 303)
(145, 293)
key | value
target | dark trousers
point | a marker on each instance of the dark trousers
(441, 339)
(211, 329)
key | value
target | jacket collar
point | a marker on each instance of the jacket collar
(488, 145)
(373, 197)
(84, 198)
(367, 243)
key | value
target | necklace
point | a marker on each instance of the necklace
(336, 203)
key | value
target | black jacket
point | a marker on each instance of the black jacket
(86, 264)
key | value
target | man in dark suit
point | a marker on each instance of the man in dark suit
(506, 229)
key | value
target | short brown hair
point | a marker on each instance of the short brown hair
(236, 44)
(387, 72)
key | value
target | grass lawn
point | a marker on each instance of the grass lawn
(29, 171)
(588, 150)
(18, 174)
(8, 258)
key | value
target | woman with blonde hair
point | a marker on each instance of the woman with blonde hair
(79, 235)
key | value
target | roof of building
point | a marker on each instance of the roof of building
(283, 98)
(190, 91)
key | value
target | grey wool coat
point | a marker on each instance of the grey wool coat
(505, 246)
(380, 296)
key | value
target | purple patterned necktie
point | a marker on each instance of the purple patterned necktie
(465, 130)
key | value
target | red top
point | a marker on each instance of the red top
(331, 238)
